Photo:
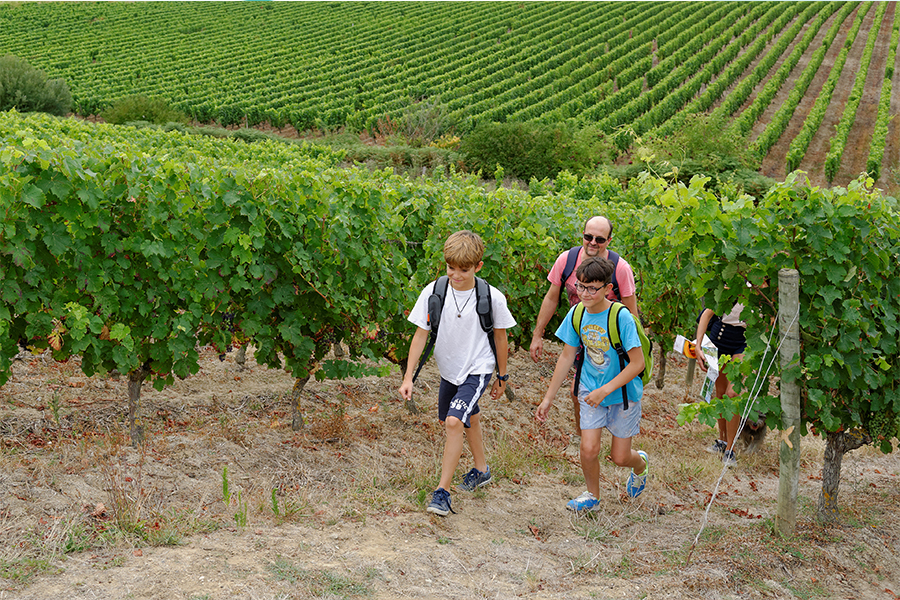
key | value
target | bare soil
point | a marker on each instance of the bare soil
(774, 165)
(814, 160)
(856, 152)
(350, 491)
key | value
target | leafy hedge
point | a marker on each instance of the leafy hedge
(128, 247)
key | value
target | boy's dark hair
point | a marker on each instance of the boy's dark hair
(595, 269)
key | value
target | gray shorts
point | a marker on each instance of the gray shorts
(618, 421)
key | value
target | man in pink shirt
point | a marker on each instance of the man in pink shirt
(595, 242)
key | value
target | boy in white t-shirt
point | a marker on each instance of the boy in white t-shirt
(465, 360)
(600, 391)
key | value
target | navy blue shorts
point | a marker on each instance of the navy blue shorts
(461, 401)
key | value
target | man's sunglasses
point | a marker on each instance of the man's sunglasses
(590, 238)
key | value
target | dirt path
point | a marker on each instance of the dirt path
(350, 491)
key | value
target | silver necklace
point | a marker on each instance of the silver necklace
(458, 309)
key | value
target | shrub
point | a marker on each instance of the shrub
(142, 108)
(28, 90)
(527, 150)
(704, 144)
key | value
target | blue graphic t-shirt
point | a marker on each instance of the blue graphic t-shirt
(601, 363)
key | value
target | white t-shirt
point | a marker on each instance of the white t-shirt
(462, 348)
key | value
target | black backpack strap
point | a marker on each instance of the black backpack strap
(485, 310)
(616, 341)
(435, 308)
(614, 258)
(571, 259)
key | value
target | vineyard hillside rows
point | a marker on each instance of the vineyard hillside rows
(644, 66)
(260, 291)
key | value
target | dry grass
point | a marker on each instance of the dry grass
(71, 485)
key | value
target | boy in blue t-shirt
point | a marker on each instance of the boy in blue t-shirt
(600, 390)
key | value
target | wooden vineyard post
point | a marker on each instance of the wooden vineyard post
(789, 452)
(689, 378)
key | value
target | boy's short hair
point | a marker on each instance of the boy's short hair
(595, 269)
(463, 249)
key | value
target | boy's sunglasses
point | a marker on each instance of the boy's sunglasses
(590, 238)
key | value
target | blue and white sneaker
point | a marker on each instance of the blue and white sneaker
(440, 503)
(586, 502)
(475, 479)
(637, 483)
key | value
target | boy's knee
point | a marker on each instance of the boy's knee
(621, 459)
(454, 424)
(589, 449)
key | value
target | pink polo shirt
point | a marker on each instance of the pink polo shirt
(624, 276)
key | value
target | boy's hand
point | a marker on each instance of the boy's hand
(497, 388)
(543, 410)
(597, 396)
(406, 389)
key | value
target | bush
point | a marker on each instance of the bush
(28, 90)
(142, 108)
(703, 144)
(528, 150)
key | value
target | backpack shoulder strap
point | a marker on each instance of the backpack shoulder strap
(612, 326)
(485, 310)
(483, 306)
(614, 258)
(571, 259)
(435, 307)
(615, 339)
(577, 317)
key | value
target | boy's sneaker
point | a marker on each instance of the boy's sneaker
(474, 479)
(637, 483)
(586, 502)
(728, 458)
(440, 503)
(718, 447)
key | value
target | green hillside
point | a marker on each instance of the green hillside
(637, 67)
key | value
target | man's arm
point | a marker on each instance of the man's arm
(548, 308)
(631, 303)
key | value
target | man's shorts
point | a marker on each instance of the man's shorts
(461, 401)
(620, 422)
